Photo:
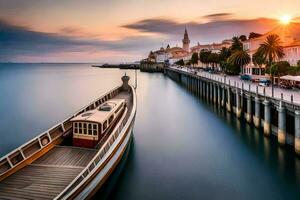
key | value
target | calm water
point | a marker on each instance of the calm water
(183, 148)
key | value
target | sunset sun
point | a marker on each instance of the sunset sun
(285, 19)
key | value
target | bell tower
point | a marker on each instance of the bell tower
(186, 41)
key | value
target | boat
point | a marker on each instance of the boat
(73, 159)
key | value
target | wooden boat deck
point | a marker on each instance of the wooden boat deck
(48, 176)
(67, 156)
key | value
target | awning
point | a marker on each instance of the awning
(290, 78)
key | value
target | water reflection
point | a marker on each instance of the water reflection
(184, 147)
(283, 160)
(217, 156)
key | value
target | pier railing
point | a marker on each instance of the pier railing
(27, 153)
(103, 155)
(98, 158)
(245, 87)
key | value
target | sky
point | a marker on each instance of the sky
(117, 31)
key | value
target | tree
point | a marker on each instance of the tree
(179, 62)
(294, 70)
(231, 69)
(258, 60)
(282, 67)
(236, 44)
(213, 58)
(243, 38)
(279, 68)
(204, 56)
(224, 54)
(239, 58)
(194, 59)
(271, 49)
(298, 63)
(253, 35)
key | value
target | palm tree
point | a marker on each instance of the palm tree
(271, 49)
(239, 58)
(258, 60)
(236, 45)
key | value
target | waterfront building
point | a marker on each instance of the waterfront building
(172, 54)
(292, 52)
(214, 48)
(177, 53)
(161, 55)
(291, 47)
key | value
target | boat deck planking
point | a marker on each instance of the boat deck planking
(48, 176)
(67, 156)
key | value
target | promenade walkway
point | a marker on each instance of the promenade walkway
(236, 81)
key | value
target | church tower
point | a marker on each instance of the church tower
(186, 41)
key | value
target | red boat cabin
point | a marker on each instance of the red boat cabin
(90, 126)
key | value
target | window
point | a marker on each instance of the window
(75, 128)
(110, 119)
(294, 51)
(94, 131)
(90, 131)
(100, 129)
(80, 128)
(246, 46)
(104, 125)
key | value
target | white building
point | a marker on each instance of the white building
(291, 48)
(214, 47)
(161, 55)
(172, 54)
(292, 53)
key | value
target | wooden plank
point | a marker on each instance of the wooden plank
(45, 181)
(37, 182)
(67, 156)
